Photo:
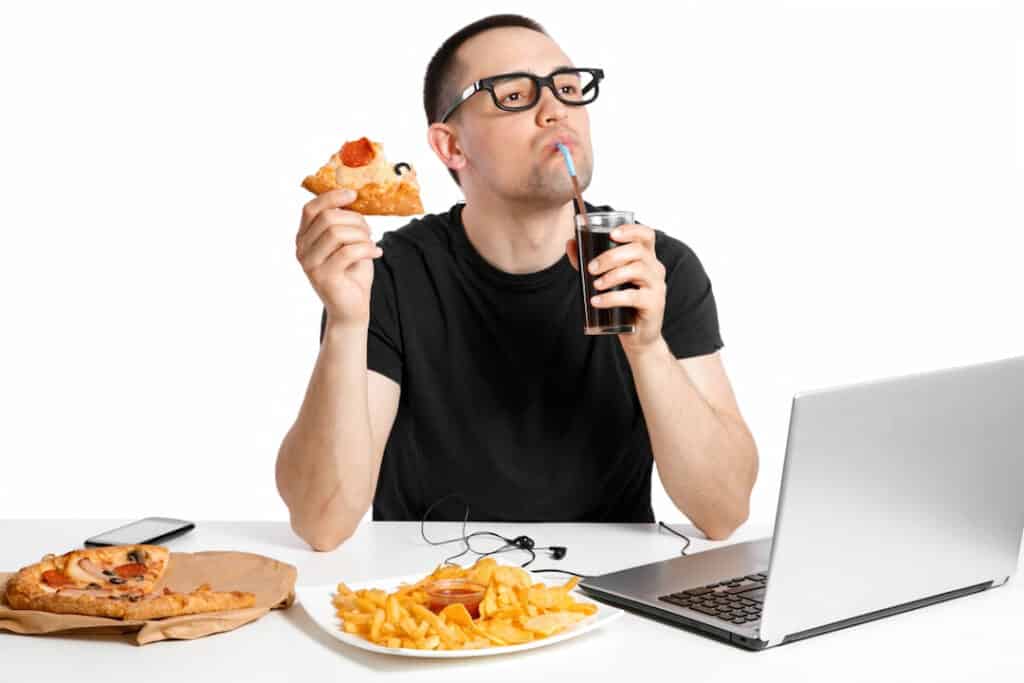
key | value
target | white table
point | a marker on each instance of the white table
(977, 638)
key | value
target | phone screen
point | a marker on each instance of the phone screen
(141, 531)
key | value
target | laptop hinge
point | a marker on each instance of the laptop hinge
(999, 582)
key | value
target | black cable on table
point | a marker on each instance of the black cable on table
(685, 538)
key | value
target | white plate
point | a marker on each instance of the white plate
(316, 600)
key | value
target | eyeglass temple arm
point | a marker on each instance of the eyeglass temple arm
(470, 90)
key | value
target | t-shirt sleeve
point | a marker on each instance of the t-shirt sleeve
(384, 339)
(690, 325)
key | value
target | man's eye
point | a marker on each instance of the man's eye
(569, 89)
(511, 97)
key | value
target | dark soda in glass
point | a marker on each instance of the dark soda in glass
(593, 238)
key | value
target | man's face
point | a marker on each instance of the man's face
(513, 153)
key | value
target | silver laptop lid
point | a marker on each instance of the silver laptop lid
(897, 490)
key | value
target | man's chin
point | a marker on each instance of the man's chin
(552, 186)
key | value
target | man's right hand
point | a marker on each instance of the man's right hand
(336, 252)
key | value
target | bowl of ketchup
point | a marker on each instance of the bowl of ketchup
(444, 592)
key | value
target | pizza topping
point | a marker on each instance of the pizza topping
(96, 592)
(398, 167)
(127, 571)
(357, 153)
(138, 556)
(116, 580)
(55, 579)
(90, 568)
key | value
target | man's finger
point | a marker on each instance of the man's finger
(328, 200)
(350, 253)
(619, 256)
(330, 218)
(634, 232)
(332, 237)
(636, 272)
(636, 298)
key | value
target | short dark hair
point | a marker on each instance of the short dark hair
(439, 84)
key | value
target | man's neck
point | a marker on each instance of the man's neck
(518, 238)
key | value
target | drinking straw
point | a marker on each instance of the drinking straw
(572, 174)
(568, 158)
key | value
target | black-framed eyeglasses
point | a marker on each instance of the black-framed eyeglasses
(520, 90)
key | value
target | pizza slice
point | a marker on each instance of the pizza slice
(117, 582)
(381, 189)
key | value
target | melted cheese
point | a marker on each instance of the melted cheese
(377, 171)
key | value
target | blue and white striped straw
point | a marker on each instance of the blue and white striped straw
(568, 158)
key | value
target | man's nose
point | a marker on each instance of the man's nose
(550, 109)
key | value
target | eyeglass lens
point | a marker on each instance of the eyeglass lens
(521, 92)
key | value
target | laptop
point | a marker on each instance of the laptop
(896, 494)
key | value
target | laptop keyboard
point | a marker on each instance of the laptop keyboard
(737, 601)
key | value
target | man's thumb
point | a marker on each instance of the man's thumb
(570, 251)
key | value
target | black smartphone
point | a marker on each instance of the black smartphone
(148, 530)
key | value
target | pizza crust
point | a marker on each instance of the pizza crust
(153, 606)
(197, 602)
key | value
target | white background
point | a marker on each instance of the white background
(849, 173)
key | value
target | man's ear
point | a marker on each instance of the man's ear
(445, 143)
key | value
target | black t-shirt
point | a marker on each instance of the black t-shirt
(504, 400)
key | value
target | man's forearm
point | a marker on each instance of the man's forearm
(707, 461)
(324, 465)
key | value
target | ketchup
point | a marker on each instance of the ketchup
(445, 592)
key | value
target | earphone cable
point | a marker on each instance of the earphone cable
(685, 538)
(524, 543)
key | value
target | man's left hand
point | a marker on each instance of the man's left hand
(633, 262)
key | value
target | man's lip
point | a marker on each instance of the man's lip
(568, 142)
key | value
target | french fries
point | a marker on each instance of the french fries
(513, 610)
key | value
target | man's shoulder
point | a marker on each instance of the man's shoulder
(671, 250)
(427, 232)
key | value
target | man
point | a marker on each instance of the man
(453, 359)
